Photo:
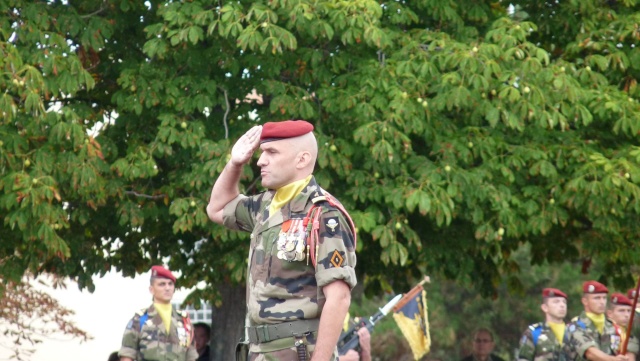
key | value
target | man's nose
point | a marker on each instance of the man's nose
(261, 161)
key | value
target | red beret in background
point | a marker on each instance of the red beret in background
(161, 272)
(631, 293)
(272, 131)
(594, 287)
(553, 292)
(620, 300)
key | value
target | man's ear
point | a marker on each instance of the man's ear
(304, 158)
(544, 308)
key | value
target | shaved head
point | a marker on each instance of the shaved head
(306, 143)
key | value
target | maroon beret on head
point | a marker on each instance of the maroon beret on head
(620, 300)
(272, 131)
(594, 287)
(631, 293)
(161, 272)
(553, 292)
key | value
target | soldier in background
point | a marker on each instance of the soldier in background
(159, 332)
(619, 311)
(591, 336)
(483, 345)
(299, 281)
(543, 341)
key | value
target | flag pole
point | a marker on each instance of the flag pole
(411, 294)
(633, 312)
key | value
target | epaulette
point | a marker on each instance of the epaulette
(574, 319)
(183, 313)
(141, 312)
(534, 326)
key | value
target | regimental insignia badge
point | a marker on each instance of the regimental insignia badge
(591, 288)
(337, 259)
(332, 226)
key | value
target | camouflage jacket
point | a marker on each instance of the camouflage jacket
(539, 343)
(146, 339)
(582, 334)
(632, 346)
(280, 288)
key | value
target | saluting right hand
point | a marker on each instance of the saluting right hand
(245, 146)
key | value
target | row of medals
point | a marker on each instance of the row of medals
(291, 244)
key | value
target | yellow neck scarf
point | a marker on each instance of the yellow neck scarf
(164, 310)
(597, 320)
(558, 330)
(286, 193)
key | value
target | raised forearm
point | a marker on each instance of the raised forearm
(224, 191)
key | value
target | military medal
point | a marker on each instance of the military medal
(182, 336)
(291, 241)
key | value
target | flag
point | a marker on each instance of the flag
(411, 317)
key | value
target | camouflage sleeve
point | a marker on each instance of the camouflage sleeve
(336, 252)
(580, 341)
(237, 215)
(526, 349)
(130, 339)
(633, 346)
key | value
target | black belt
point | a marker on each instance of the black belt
(266, 333)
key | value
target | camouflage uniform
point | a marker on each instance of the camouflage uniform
(150, 341)
(544, 346)
(582, 334)
(279, 290)
(632, 346)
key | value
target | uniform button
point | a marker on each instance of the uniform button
(252, 236)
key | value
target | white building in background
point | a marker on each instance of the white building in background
(197, 315)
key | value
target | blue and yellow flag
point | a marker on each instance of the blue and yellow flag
(411, 316)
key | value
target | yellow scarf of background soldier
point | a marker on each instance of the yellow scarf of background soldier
(597, 320)
(286, 193)
(558, 330)
(164, 310)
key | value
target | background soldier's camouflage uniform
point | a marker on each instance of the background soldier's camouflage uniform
(279, 290)
(546, 348)
(152, 343)
(582, 334)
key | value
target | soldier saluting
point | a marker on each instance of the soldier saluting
(302, 250)
(159, 332)
(543, 341)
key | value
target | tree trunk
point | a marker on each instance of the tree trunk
(227, 322)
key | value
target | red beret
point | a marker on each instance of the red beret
(287, 129)
(161, 272)
(594, 287)
(553, 292)
(631, 293)
(620, 300)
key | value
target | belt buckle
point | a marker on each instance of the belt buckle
(262, 331)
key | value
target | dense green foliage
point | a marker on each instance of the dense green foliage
(455, 131)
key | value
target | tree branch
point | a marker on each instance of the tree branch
(140, 195)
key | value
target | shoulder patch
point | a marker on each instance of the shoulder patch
(333, 226)
(130, 324)
(572, 328)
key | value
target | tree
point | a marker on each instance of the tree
(456, 132)
(29, 316)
